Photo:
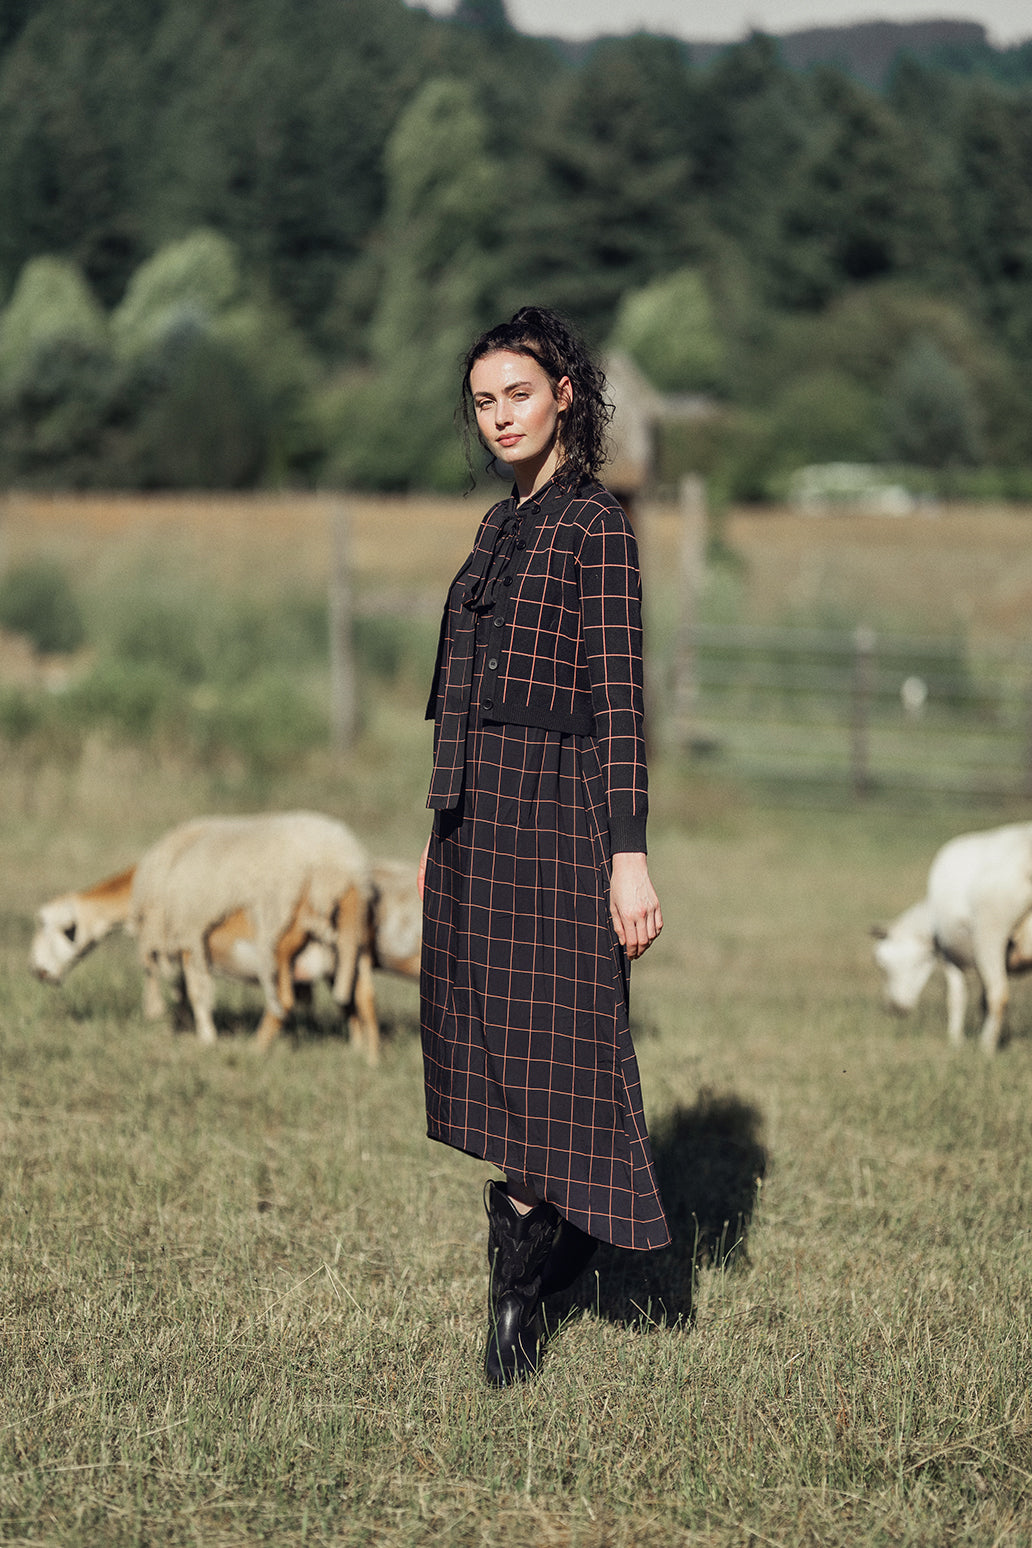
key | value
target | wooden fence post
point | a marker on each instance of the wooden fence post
(864, 641)
(685, 694)
(343, 694)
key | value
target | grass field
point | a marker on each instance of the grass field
(243, 1299)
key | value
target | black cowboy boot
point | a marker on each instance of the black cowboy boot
(517, 1246)
(571, 1252)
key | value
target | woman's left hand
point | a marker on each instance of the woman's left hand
(633, 904)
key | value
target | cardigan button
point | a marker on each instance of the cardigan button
(487, 704)
(492, 665)
(498, 623)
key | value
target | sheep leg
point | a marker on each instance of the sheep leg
(353, 984)
(991, 962)
(293, 940)
(363, 1025)
(153, 999)
(201, 995)
(956, 1003)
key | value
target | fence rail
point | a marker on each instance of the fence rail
(855, 709)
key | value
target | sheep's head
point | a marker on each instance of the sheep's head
(60, 941)
(906, 957)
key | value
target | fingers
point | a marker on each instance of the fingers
(637, 933)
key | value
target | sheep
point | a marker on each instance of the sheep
(68, 927)
(299, 876)
(72, 924)
(397, 918)
(976, 913)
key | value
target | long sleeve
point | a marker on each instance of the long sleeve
(610, 589)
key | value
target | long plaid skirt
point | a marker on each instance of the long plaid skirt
(527, 1050)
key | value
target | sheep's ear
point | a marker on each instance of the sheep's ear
(879, 932)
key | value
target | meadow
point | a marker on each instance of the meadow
(243, 1298)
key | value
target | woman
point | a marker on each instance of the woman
(535, 883)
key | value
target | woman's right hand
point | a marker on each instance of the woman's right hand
(421, 873)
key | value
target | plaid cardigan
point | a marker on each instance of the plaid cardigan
(566, 651)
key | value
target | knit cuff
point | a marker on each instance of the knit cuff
(627, 833)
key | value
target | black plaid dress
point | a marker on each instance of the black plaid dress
(528, 1056)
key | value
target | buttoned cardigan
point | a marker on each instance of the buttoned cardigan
(566, 646)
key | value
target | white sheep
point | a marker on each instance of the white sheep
(70, 925)
(299, 877)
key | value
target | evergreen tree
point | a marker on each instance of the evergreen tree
(439, 236)
(71, 105)
(862, 205)
(599, 183)
(749, 123)
(485, 15)
(994, 209)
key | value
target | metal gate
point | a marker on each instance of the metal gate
(856, 709)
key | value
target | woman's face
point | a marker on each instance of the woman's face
(519, 416)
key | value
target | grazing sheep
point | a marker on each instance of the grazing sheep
(977, 913)
(69, 926)
(299, 876)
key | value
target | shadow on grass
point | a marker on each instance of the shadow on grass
(709, 1159)
(306, 1024)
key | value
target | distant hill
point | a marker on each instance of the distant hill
(869, 49)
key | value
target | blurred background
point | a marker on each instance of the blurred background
(243, 246)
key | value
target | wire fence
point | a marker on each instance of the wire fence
(856, 710)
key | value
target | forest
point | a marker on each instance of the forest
(243, 246)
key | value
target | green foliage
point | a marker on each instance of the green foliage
(58, 377)
(931, 412)
(824, 416)
(294, 218)
(670, 329)
(51, 307)
(598, 189)
(139, 701)
(37, 600)
(184, 287)
(264, 722)
(394, 427)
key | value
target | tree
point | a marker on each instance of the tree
(219, 377)
(485, 15)
(70, 108)
(670, 329)
(994, 208)
(932, 416)
(57, 375)
(599, 182)
(748, 123)
(439, 237)
(862, 205)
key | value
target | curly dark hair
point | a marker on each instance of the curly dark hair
(547, 338)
